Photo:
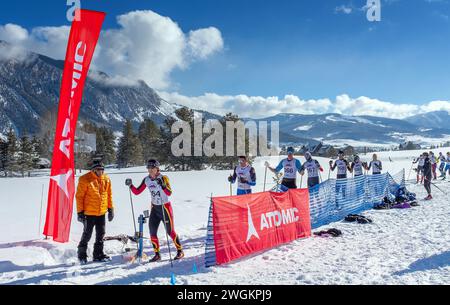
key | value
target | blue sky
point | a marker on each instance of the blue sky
(307, 48)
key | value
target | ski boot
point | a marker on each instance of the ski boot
(428, 198)
(82, 260)
(82, 255)
(102, 258)
(155, 258)
(180, 255)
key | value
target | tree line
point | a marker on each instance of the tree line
(135, 145)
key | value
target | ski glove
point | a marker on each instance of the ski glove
(243, 180)
(230, 179)
(161, 183)
(81, 217)
(128, 182)
(110, 215)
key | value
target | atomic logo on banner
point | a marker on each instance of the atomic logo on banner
(251, 226)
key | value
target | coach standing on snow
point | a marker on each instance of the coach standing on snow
(94, 199)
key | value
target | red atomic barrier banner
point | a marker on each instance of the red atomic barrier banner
(251, 223)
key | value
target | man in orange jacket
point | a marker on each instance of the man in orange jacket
(94, 199)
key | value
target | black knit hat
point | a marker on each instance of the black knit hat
(97, 164)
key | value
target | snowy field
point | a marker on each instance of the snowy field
(401, 247)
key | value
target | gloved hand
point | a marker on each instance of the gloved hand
(243, 180)
(266, 164)
(331, 162)
(230, 179)
(81, 217)
(128, 182)
(161, 183)
(110, 215)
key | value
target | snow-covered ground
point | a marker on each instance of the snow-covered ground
(401, 246)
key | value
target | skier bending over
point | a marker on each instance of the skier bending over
(376, 165)
(312, 167)
(357, 167)
(161, 208)
(342, 166)
(428, 174)
(94, 199)
(246, 176)
(291, 166)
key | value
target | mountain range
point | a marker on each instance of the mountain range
(29, 88)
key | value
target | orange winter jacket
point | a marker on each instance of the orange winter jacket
(94, 195)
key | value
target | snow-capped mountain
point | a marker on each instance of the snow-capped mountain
(351, 129)
(435, 119)
(30, 87)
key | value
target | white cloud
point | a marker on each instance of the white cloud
(146, 46)
(260, 107)
(343, 9)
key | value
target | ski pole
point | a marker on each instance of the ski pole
(167, 234)
(40, 212)
(301, 181)
(435, 186)
(265, 176)
(410, 170)
(132, 211)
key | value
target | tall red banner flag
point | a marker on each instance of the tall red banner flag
(80, 49)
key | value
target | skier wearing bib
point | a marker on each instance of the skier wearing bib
(312, 167)
(357, 167)
(376, 165)
(161, 208)
(420, 163)
(433, 164)
(342, 166)
(441, 159)
(428, 174)
(291, 167)
(245, 175)
(447, 166)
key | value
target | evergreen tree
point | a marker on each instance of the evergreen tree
(130, 149)
(150, 137)
(25, 155)
(3, 156)
(11, 153)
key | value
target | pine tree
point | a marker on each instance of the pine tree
(150, 137)
(25, 155)
(3, 156)
(11, 153)
(130, 148)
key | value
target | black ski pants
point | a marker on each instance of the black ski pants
(99, 222)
